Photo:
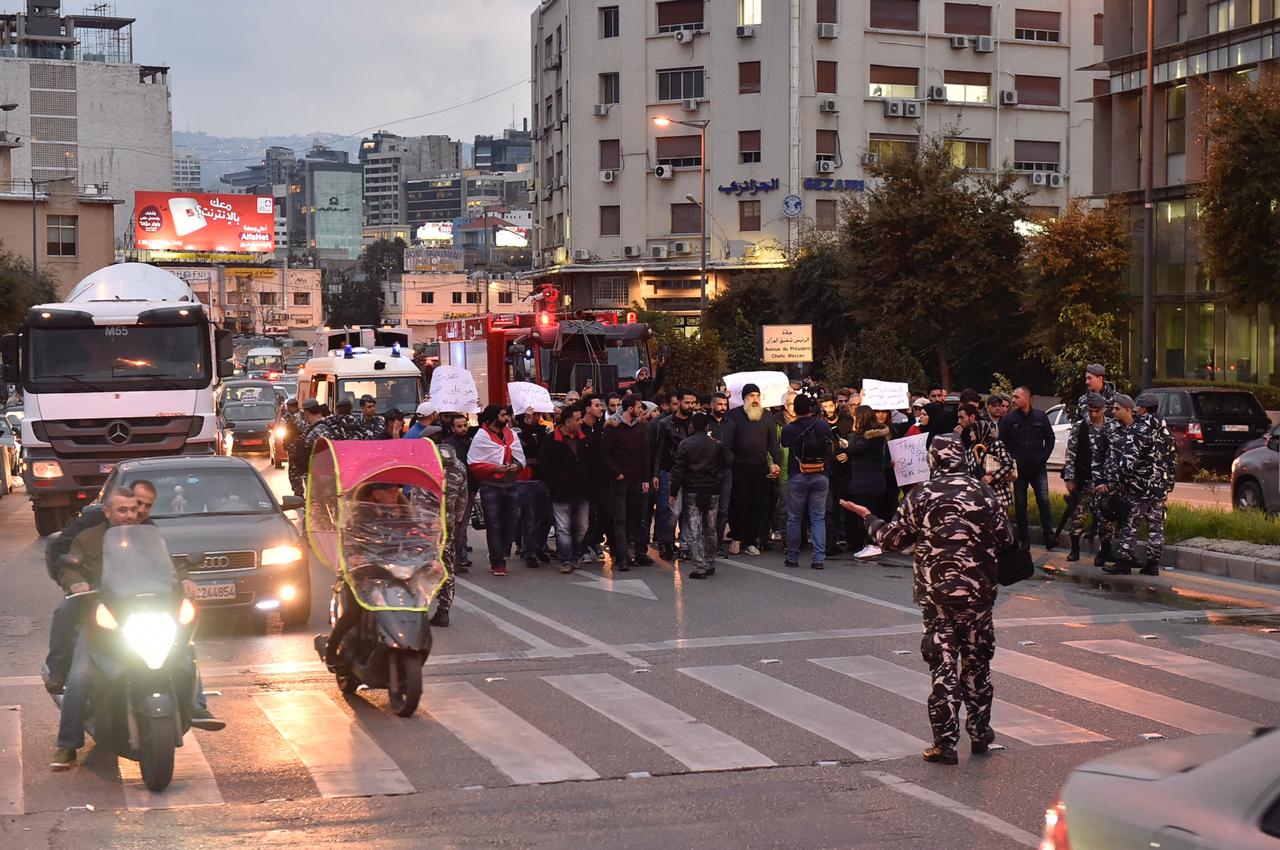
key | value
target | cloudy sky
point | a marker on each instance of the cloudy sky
(256, 67)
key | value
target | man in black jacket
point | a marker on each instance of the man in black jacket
(942, 419)
(567, 471)
(625, 453)
(1027, 434)
(721, 428)
(669, 432)
(696, 475)
(535, 507)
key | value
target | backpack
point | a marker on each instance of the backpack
(811, 451)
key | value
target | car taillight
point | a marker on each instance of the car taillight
(1194, 431)
(1055, 828)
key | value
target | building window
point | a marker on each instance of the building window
(885, 148)
(679, 151)
(457, 297)
(267, 299)
(302, 299)
(610, 220)
(610, 88)
(610, 154)
(825, 77)
(748, 215)
(1175, 128)
(891, 81)
(505, 297)
(895, 15)
(749, 13)
(748, 146)
(550, 111)
(679, 15)
(680, 83)
(610, 291)
(1222, 16)
(1035, 25)
(827, 145)
(1037, 91)
(967, 19)
(60, 234)
(967, 153)
(609, 22)
(1036, 156)
(828, 11)
(1098, 30)
(427, 297)
(686, 218)
(748, 78)
(967, 86)
(825, 215)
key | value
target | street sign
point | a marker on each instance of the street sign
(787, 343)
(792, 206)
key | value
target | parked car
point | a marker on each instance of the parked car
(1258, 441)
(1060, 418)
(1209, 423)
(1200, 791)
(1255, 478)
(293, 364)
(233, 391)
(247, 426)
(278, 453)
(218, 514)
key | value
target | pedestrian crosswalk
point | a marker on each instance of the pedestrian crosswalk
(577, 726)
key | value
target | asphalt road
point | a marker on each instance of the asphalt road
(763, 708)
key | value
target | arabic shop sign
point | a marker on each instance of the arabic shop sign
(750, 187)
(831, 184)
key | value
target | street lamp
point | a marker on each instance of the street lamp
(1149, 211)
(701, 127)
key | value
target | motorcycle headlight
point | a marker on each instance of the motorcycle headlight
(104, 619)
(280, 555)
(151, 635)
(401, 572)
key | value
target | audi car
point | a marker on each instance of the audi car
(247, 427)
(220, 519)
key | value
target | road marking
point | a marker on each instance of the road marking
(1245, 643)
(510, 628)
(340, 756)
(1117, 695)
(933, 798)
(857, 733)
(1038, 730)
(193, 783)
(11, 799)
(1188, 666)
(839, 591)
(505, 739)
(629, 586)
(683, 737)
(1134, 617)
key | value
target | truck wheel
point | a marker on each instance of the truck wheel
(157, 748)
(50, 520)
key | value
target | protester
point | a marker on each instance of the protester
(625, 453)
(531, 490)
(809, 440)
(566, 465)
(455, 515)
(612, 402)
(722, 429)
(426, 418)
(867, 453)
(593, 428)
(756, 457)
(1027, 434)
(987, 456)
(495, 459)
(997, 407)
(393, 428)
(942, 420)
(1083, 472)
(838, 471)
(647, 386)
(670, 432)
(697, 475)
(889, 503)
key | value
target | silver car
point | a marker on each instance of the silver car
(1060, 419)
(1220, 791)
(1255, 478)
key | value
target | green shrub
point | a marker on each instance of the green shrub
(1184, 522)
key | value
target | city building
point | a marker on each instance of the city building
(257, 299)
(1197, 45)
(421, 299)
(796, 97)
(503, 153)
(436, 198)
(389, 161)
(83, 108)
(186, 171)
(325, 214)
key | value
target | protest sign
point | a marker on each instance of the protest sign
(525, 395)
(885, 395)
(773, 387)
(453, 389)
(910, 456)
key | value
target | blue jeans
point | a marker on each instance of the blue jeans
(1037, 480)
(62, 636)
(664, 531)
(501, 506)
(807, 490)
(571, 520)
(535, 516)
(75, 697)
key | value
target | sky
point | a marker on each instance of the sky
(267, 67)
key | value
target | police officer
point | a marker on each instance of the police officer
(342, 425)
(1083, 471)
(1095, 381)
(313, 428)
(1141, 467)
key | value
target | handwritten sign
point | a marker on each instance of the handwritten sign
(885, 395)
(525, 395)
(787, 343)
(453, 389)
(773, 387)
(910, 456)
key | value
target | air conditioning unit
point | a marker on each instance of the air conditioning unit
(633, 251)
(1008, 98)
(546, 193)
(563, 182)
(657, 252)
(984, 44)
(959, 42)
(746, 32)
(682, 247)
(564, 118)
(893, 108)
(689, 104)
(581, 255)
(600, 110)
(608, 176)
(826, 166)
(828, 30)
(664, 172)
(685, 36)
(870, 158)
(1038, 178)
(1055, 180)
(829, 105)
(936, 93)
(912, 109)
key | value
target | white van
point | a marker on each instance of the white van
(387, 374)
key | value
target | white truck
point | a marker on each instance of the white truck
(125, 367)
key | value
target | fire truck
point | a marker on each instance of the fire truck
(560, 351)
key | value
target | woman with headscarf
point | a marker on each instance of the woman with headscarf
(868, 455)
(985, 454)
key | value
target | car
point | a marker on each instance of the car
(286, 390)
(1060, 419)
(278, 430)
(1200, 791)
(247, 426)
(294, 364)
(1209, 423)
(10, 458)
(233, 391)
(218, 514)
(1257, 442)
(1255, 478)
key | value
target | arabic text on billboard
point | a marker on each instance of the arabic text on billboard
(167, 221)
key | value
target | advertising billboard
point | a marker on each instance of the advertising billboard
(170, 221)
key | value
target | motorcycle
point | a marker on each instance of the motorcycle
(375, 515)
(139, 644)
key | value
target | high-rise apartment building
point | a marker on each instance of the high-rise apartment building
(796, 96)
(187, 175)
(501, 154)
(390, 160)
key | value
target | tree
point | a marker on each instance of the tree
(1094, 340)
(693, 360)
(19, 290)
(1239, 212)
(380, 259)
(352, 300)
(875, 353)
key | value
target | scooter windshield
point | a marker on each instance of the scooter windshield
(391, 542)
(136, 562)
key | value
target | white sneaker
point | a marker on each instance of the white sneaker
(734, 547)
(752, 550)
(867, 552)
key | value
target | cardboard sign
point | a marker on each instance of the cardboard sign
(787, 343)
(453, 390)
(525, 395)
(774, 387)
(885, 395)
(910, 456)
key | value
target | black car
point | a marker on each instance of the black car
(247, 427)
(1209, 424)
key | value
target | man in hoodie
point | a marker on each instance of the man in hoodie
(495, 459)
(756, 462)
(625, 452)
(696, 475)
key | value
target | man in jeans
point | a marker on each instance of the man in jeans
(722, 430)
(669, 432)
(809, 439)
(625, 452)
(567, 471)
(1027, 434)
(696, 477)
(495, 459)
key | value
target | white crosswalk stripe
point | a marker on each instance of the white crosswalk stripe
(1245, 643)
(1209, 672)
(11, 792)
(192, 785)
(1019, 723)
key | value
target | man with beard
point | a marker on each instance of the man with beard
(495, 459)
(942, 419)
(593, 419)
(722, 429)
(625, 453)
(669, 432)
(838, 464)
(756, 462)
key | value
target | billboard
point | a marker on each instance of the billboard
(170, 221)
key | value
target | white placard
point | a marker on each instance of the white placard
(774, 387)
(453, 390)
(885, 395)
(910, 456)
(525, 395)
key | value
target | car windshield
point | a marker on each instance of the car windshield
(228, 490)
(264, 363)
(400, 392)
(1227, 405)
(246, 392)
(248, 412)
(104, 359)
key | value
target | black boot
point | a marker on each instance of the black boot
(440, 619)
(1104, 554)
(1074, 554)
(1123, 567)
(1050, 541)
(1152, 568)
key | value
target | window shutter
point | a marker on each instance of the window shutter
(1025, 151)
(1034, 19)
(895, 14)
(748, 141)
(967, 19)
(966, 78)
(675, 12)
(891, 75)
(678, 147)
(1038, 91)
(610, 154)
(826, 77)
(748, 77)
(828, 142)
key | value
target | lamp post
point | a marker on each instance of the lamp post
(1149, 211)
(701, 127)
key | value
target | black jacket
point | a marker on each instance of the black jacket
(531, 439)
(625, 451)
(723, 431)
(1029, 438)
(867, 457)
(942, 419)
(700, 464)
(753, 442)
(567, 473)
(669, 433)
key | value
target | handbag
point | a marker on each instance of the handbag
(1114, 507)
(1014, 564)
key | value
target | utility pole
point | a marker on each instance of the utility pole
(1149, 211)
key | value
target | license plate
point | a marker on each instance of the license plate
(105, 468)
(250, 442)
(216, 590)
(1235, 428)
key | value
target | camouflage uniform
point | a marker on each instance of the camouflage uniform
(455, 517)
(1147, 473)
(344, 426)
(1108, 392)
(1090, 501)
(374, 429)
(958, 527)
(300, 455)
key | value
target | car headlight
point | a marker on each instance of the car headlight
(1235, 464)
(151, 635)
(46, 469)
(280, 433)
(281, 555)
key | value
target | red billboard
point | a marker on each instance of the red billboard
(172, 221)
